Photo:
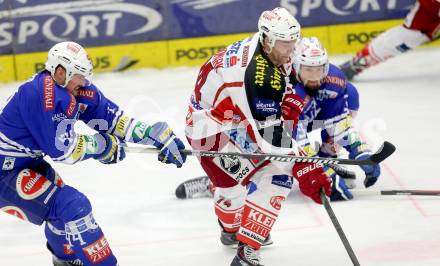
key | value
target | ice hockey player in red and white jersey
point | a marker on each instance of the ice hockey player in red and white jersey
(422, 25)
(330, 105)
(243, 102)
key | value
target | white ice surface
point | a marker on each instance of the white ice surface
(146, 225)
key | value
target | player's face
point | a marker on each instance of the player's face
(75, 83)
(282, 52)
(311, 76)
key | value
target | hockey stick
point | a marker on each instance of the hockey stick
(338, 228)
(343, 172)
(394, 192)
(385, 150)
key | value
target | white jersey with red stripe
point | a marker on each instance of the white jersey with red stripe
(235, 107)
(239, 87)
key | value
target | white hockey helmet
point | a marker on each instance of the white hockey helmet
(72, 57)
(278, 24)
(310, 52)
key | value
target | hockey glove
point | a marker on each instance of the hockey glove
(339, 188)
(291, 107)
(170, 146)
(312, 178)
(113, 151)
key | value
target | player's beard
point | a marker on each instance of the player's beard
(312, 88)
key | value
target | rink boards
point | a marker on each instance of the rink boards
(338, 39)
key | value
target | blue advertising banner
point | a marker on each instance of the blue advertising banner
(30, 26)
(211, 17)
(36, 25)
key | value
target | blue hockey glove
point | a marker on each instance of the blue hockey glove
(113, 151)
(339, 187)
(163, 138)
(372, 172)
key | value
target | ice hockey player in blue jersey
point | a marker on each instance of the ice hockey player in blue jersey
(326, 91)
(38, 120)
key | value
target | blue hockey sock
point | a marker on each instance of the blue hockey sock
(82, 234)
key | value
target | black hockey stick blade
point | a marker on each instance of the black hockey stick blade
(384, 152)
(343, 172)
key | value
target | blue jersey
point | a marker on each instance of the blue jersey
(353, 97)
(326, 109)
(38, 120)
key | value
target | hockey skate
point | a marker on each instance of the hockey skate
(357, 64)
(59, 262)
(198, 187)
(229, 238)
(246, 256)
(350, 70)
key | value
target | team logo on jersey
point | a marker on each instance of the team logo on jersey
(30, 184)
(82, 107)
(8, 163)
(326, 94)
(276, 201)
(68, 249)
(231, 164)
(15, 211)
(98, 251)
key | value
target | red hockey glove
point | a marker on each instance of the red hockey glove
(291, 107)
(312, 178)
